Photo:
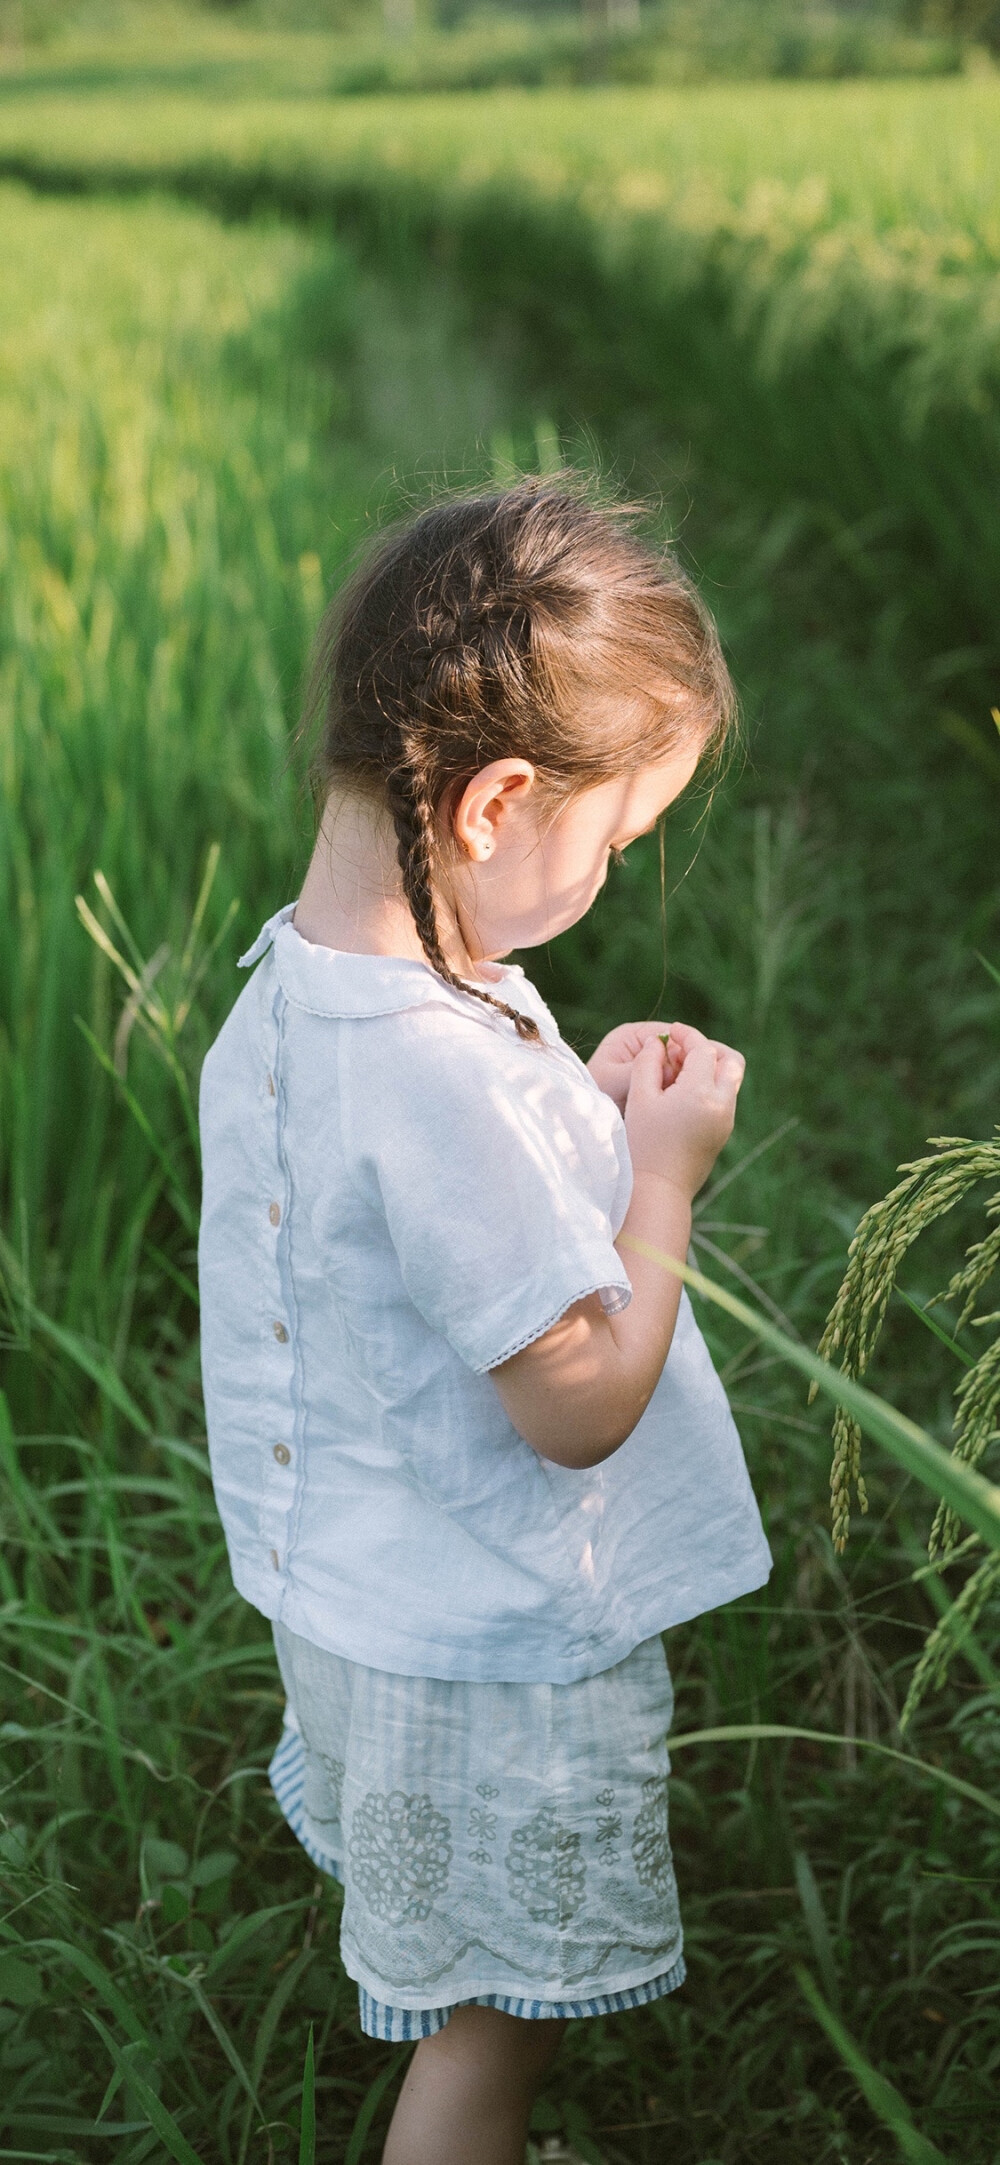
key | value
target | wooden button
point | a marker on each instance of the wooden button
(282, 1453)
(274, 1213)
(281, 1334)
(274, 1559)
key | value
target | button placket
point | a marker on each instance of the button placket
(279, 1485)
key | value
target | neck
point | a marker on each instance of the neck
(352, 897)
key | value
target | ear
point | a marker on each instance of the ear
(480, 817)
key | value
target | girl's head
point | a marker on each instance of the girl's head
(521, 684)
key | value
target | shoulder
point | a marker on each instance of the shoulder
(447, 1073)
(232, 1054)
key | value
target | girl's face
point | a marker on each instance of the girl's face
(521, 878)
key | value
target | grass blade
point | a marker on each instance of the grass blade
(976, 1500)
(222, 2036)
(160, 2118)
(946, 1338)
(97, 1976)
(816, 1924)
(76, 1348)
(752, 1732)
(881, 2095)
(307, 2123)
(370, 2104)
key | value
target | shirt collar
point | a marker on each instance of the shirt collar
(332, 981)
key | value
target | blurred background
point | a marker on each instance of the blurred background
(271, 273)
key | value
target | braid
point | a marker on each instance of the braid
(406, 796)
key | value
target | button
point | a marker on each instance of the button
(274, 1559)
(282, 1453)
(274, 1213)
(270, 1086)
(281, 1334)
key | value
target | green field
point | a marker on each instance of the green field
(202, 416)
(908, 158)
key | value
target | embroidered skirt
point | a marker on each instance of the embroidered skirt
(504, 1844)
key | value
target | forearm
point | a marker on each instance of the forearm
(659, 1214)
(576, 1394)
(637, 1338)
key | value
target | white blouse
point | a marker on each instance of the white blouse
(398, 1194)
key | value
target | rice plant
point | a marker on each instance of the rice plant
(811, 266)
(884, 1237)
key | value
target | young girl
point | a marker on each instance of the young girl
(469, 1449)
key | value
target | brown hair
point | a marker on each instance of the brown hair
(489, 627)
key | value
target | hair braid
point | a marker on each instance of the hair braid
(412, 817)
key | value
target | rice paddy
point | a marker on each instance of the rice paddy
(200, 421)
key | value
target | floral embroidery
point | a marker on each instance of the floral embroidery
(650, 1841)
(482, 1825)
(545, 1870)
(487, 1790)
(605, 1797)
(609, 1832)
(401, 1853)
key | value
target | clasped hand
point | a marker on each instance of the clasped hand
(611, 1063)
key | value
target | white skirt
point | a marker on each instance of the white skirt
(504, 1844)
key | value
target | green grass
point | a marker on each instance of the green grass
(221, 53)
(808, 273)
(912, 156)
(199, 422)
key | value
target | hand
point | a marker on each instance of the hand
(611, 1063)
(682, 1106)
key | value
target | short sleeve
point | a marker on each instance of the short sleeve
(504, 1175)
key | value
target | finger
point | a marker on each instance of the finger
(730, 1067)
(647, 1067)
(685, 1032)
(684, 1037)
(698, 1066)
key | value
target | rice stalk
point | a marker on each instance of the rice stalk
(884, 1236)
(950, 1636)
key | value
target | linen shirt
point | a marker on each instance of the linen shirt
(398, 1194)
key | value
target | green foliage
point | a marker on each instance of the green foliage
(199, 424)
(357, 48)
(834, 329)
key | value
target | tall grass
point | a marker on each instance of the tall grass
(826, 304)
(196, 432)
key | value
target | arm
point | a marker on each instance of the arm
(576, 1393)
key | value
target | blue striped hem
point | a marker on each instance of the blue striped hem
(403, 2025)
